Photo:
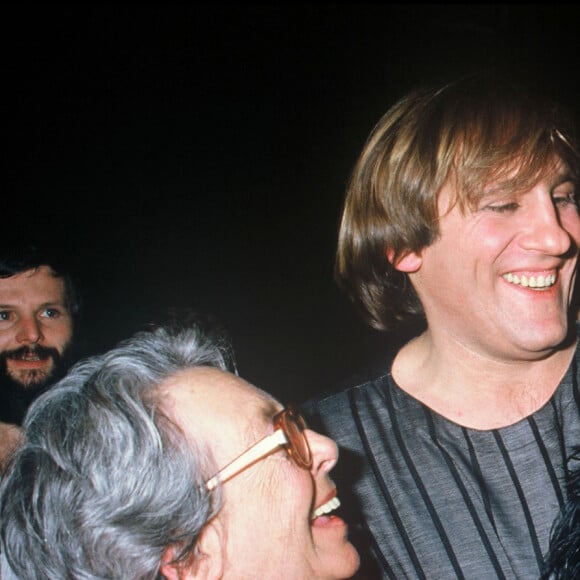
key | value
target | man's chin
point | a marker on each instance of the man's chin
(31, 379)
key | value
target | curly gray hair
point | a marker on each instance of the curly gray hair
(105, 481)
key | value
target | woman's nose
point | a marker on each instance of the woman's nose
(324, 452)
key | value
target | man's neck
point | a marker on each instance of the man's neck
(15, 400)
(477, 391)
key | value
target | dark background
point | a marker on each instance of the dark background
(197, 156)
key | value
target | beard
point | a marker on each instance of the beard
(31, 379)
(18, 392)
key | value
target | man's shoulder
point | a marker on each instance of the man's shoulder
(577, 351)
(337, 399)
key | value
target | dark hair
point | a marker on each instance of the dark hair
(470, 132)
(17, 258)
(563, 558)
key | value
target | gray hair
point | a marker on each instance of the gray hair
(106, 481)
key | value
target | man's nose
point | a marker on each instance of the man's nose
(545, 232)
(29, 331)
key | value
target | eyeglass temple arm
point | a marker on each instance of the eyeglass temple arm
(257, 451)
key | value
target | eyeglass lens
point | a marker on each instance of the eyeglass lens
(294, 426)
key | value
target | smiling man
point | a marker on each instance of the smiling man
(462, 216)
(38, 306)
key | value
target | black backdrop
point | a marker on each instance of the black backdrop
(196, 156)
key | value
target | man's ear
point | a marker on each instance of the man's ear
(409, 262)
(207, 564)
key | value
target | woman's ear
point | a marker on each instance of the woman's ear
(409, 262)
(206, 564)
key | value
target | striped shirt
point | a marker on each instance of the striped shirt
(427, 498)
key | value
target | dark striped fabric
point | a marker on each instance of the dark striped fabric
(427, 498)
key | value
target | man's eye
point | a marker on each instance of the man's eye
(4, 315)
(503, 207)
(565, 200)
(50, 313)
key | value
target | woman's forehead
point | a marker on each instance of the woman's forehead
(214, 399)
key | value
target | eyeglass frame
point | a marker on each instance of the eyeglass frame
(281, 437)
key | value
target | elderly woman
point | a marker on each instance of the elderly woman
(155, 460)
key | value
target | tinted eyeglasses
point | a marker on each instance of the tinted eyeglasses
(288, 433)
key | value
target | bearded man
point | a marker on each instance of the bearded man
(38, 308)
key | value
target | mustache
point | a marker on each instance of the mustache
(38, 351)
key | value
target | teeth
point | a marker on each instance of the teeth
(326, 508)
(531, 281)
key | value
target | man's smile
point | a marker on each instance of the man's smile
(534, 281)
